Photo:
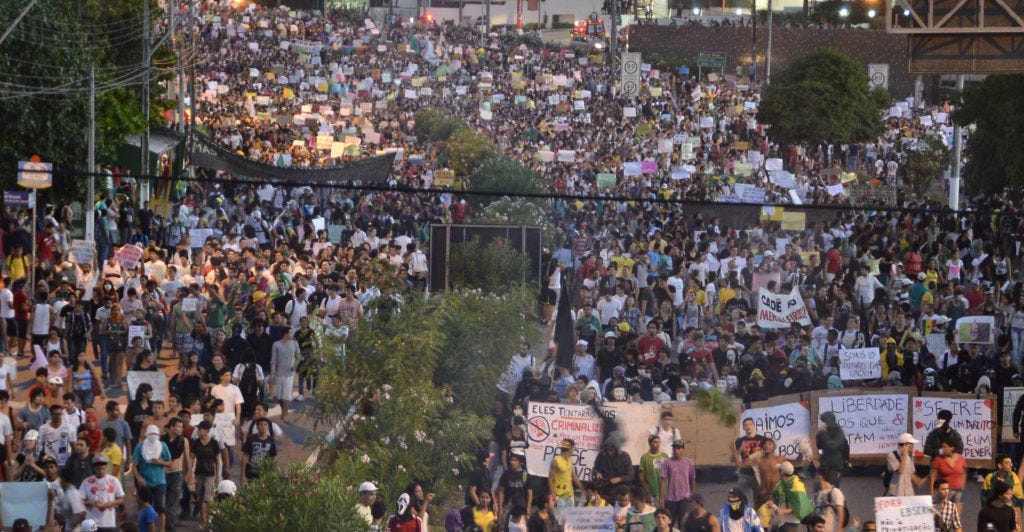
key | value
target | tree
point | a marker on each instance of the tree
(44, 83)
(994, 157)
(822, 97)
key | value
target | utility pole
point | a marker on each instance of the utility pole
(954, 180)
(768, 52)
(144, 139)
(753, 41)
(90, 198)
(181, 73)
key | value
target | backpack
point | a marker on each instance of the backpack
(887, 475)
(846, 511)
(249, 384)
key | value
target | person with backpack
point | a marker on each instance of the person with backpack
(830, 503)
(249, 377)
(899, 476)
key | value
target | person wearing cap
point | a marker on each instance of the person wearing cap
(26, 465)
(562, 476)
(943, 430)
(367, 496)
(678, 482)
(997, 514)
(900, 468)
(609, 354)
(737, 514)
(789, 501)
(102, 494)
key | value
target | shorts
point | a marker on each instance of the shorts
(12, 327)
(205, 487)
(283, 387)
(159, 498)
(548, 296)
(20, 328)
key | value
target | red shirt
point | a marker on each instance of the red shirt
(21, 305)
(649, 348)
(955, 474)
(833, 261)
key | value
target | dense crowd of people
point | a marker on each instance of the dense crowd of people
(235, 277)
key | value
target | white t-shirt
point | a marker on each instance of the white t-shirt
(4, 372)
(41, 319)
(106, 489)
(230, 394)
(6, 303)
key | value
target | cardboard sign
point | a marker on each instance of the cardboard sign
(136, 331)
(549, 423)
(786, 423)
(589, 519)
(904, 514)
(157, 379)
(973, 417)
(128, 256)
(778, 311)
(83, 251)
(872, 422)
(860, 364)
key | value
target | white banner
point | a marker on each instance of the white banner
(872, 422)
(550, 423)
(786, 424)
(860, 364)
(83, 251)
(589, 519)
(904, 514)
(630, 74)
(778, 311)
(973, 418)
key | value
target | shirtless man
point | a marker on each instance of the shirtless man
(765, 463)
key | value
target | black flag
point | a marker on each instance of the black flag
(565, 336)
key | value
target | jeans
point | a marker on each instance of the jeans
(104, 353)
(174, 483)
(1017, 339)
(562, 503)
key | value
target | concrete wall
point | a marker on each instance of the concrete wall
(680, 45)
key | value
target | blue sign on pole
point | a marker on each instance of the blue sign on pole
(17, 198)
(684, 70)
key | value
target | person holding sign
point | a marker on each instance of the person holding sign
(562, 476)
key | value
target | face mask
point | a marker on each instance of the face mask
(941, 423)
(735, 505)
(518, 411)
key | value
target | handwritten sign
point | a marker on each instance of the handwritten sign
(872, 422)
(860, 364)
(779, 311)
(136, 331)
(973, 418)
(786, 424)
(83, 251)
(156, 379)
(589, 519)
(878, 195)
(189, 304)
(549, 423)
(128, 256)
(199, 235)
(904, 514)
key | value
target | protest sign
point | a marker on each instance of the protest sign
(973, 417)
(588, 519)
(878, 195)
(29, 500)
(606, 180)
(128, 256)
(566, 156)
(784, 419)
(157, 379)
(189, 304)
(83, 251)
(136, 331)
(549, 423)
(334, 232)
(794, 221)
(904, 514)
(779, 311)
(631, 168)
(975, 330)
(860, 364)
(1011, 394)
(872, 422)
(199, 235)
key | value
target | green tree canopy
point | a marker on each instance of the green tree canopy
(994, 157)
(823, 96)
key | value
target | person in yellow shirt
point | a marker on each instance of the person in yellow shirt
(562, 476)
(109, 447)
(483, 513)
(17, 264)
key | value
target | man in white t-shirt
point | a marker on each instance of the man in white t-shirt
(297, 308)
(102, 494)
(7, 326)
(230, 394)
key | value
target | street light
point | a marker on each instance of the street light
(844, 12)
(739, 12)
(871, 13)
(696, 11)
